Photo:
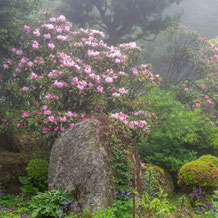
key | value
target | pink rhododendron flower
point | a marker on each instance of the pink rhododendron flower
(134, 71)
(75, 115)
(62, 38)
(5, 66)
(203, 86)
(36, 32)
(18, 70)
(45, 107)
(47, 36)
(90, 85)
(48, 26)
(48, 96)
(115, 94)
(122, 73)
(92, 53)
(51, 118)
(33, 76)
(59, 84)
(47, 112)
(117, 61)
(19, 52)
(61, 18)
(27, 28)
(25, 114)
(30, 64)
(210, 102)
(63, 119)
(52, 19)
(23, 60)
(109, 80)
(80, 87)
(67, 28)
(51, 46)
(59, 30)
(69, 114)
(186, 89)
(25, 89)
(100, 89)
(122, 91)
(35, 45)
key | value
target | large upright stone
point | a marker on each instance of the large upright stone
(79, 163)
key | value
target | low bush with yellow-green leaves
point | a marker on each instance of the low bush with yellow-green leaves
(202, 173)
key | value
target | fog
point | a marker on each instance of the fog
(200, 15)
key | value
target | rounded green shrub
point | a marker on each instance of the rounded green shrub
(198, 174)
(209, 159)
(37, 169)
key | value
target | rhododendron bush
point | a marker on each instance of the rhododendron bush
(203, 92)
(200, 89)
(58, 77)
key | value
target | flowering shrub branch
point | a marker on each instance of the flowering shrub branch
(58, 77)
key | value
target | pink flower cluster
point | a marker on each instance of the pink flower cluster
(131, 124)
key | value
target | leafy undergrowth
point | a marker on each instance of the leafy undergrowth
(176, 206)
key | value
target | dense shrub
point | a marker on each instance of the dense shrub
(198, 174)
(209, 159)
(37, 169)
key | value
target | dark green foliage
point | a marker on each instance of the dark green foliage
(177, 135)
(123, 208)
(122, 20)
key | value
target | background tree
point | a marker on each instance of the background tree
(179, 54)
(122, 20)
